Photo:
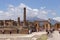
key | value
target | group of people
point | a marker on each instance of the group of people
(51, 31)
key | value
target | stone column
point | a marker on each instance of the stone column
(45, 26)
(4, 23)
(55, 26)
(48, 26)
(37, 26)
(19, 21)
(11, 23)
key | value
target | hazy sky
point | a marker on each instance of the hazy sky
(10, 9)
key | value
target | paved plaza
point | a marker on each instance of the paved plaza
(32, 36)
(53, 36)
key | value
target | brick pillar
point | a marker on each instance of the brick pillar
(45, 26)
(24, 16)
(19, 21)
(11, 23)
(56, 26)
(4, 23)
(37, 26)
(48, 26)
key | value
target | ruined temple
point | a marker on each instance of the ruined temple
(25, 27)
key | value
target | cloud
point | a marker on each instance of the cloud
(8, 14)
(11, 6)
(42, 7)
(43, 12)
(23, 5)
(13, 12)
(57, 18)
(1, 11)
(54, 13)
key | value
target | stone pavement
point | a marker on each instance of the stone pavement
(32, 36)
(55, 36)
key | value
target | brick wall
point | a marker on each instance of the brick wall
(24, 31)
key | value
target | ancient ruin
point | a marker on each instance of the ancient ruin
(25, 27)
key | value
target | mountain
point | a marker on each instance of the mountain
(35, 18)
(52, 21)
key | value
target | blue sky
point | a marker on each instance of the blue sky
(44, 6)
(50, 4)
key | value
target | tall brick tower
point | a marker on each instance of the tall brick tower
(24, 16)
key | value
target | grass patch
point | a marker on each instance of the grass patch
(42, 37)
